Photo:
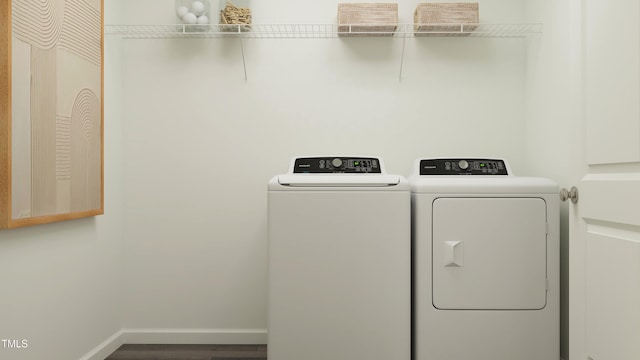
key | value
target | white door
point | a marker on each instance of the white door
(605, 223)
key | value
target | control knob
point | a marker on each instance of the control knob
(463, 164)
(337, 162)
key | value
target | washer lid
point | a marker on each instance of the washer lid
(338, 180)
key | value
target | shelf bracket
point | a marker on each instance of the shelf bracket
(244, 63)
(404, 39)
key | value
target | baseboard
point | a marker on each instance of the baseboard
(176, 336)
(105, 349)
(195, 336)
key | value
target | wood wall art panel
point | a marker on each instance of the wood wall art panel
(51, 111)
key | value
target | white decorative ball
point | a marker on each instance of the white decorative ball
(203, 19)
(189, 18)
(198, 7)
(182, 11)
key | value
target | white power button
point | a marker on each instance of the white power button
(337, 162)
(463, 164)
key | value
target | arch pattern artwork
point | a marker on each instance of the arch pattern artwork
(51, 163)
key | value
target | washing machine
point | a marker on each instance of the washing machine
(339, 245)
(485, 262)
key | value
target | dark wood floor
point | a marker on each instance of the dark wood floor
(190, 352)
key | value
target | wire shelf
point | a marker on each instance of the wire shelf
(304, 31)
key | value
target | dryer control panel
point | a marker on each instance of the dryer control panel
(467, 166)
(329, 165)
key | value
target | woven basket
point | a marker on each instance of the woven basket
(367, 19)
(463, 18)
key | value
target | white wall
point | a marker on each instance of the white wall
(555, 132)
(60, 284)
(201, 142)
(190, 145)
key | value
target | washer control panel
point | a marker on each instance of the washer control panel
(339, 164)
(467, 166)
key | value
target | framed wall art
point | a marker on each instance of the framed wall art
(51, 111)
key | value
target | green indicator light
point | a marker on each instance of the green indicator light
(482, 165)
(356, 163)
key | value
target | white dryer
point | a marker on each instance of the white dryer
(339, 261)
(485, 262)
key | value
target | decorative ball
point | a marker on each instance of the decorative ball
(189, 18)
(198, 7)
(204, 19)
(182, 11)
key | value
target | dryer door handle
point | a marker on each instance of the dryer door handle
(453, 253)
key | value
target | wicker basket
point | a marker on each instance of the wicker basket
(367, 19)
(462, 17)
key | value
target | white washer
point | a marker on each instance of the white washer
(339, 261)
(486, 262)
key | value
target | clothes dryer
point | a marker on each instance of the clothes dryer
(339, 261)
(485, 262)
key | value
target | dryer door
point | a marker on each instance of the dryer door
(489, 253)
